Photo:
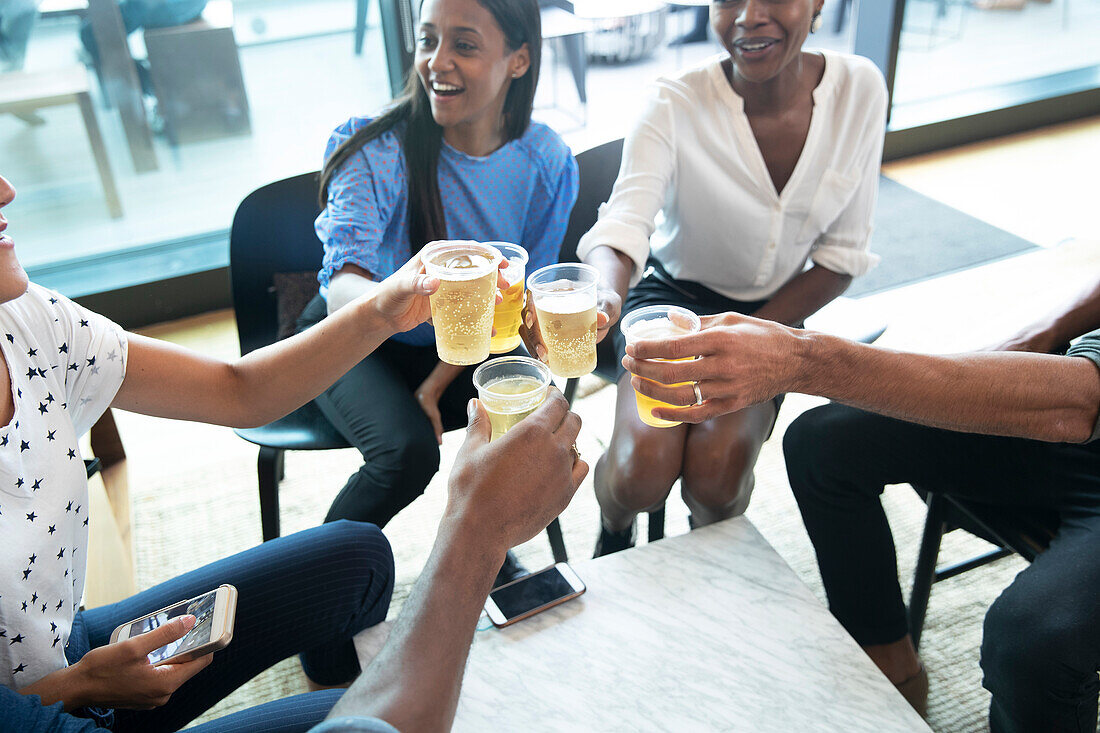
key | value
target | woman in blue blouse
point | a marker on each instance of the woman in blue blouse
(456, 156)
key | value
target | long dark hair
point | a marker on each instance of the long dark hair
(521, 23)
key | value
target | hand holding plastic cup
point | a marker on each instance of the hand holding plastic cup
(511, 388)
(565, 304)
(655, 322)
(506, 318)
(462, 307)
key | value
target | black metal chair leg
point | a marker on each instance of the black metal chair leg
(657, 524)
(269, 468)
(557, 542)
(925, 573)
(571, 389)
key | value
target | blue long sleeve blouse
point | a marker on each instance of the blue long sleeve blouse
(521, 193)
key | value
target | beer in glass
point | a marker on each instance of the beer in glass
(511, 388)
(506, 318)
(462, 307)
(655, 322)
(565, 303)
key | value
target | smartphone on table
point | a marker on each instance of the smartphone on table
(532, 593)
(214, 614)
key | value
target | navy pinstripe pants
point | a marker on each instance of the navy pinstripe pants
(305, 594)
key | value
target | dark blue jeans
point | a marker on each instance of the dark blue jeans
(305, 594)
(1041, 648)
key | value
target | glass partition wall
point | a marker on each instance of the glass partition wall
(117, 190)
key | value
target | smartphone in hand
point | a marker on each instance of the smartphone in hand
(214, 614)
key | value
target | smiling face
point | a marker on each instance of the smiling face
(466, 67)
(13, 279)
(763, 37)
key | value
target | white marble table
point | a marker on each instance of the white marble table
(706, 631)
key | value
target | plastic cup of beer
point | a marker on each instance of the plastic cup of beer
(462, 307)
(565, 303)
(657, 322)
(506, 318)
(511, 388)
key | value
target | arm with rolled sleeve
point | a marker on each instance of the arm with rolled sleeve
(362, 198)
(843, 246)
(548, 216)
(649, 161)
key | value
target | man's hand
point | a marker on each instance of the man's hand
(120, 676)
(506, 492)
(741, 361)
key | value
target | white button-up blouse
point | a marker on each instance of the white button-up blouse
(694, 189)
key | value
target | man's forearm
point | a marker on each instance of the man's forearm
(414, 682)
(1050, 398)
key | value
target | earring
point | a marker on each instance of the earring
(815, 24)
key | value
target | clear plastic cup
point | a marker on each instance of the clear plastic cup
(654, 322)
(511, 388)
(462, 307)
(565, 303)
(508, 314)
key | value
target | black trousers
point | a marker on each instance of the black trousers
(1041, 648)
(373, 407)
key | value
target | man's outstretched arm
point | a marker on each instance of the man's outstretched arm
(744, 361)
(500, 495)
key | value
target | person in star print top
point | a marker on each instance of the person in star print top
(61, 367)
(456, 156)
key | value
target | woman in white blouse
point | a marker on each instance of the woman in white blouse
(747, 185)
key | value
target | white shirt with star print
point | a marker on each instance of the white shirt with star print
(66, 364)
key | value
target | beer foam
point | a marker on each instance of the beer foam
(564, 303)
(460, 264)
(655, 328)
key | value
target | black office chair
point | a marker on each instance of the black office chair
(273, 234)
(273, 253)
(1026, 532)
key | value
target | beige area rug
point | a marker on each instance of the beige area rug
(204, 507)
(194, 486)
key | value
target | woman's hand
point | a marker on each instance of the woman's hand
(402, 298)
(608, 308)
(120, 676)
(427, 396)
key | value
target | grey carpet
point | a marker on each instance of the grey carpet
(918, 237)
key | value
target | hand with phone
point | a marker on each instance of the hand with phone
(120, 675)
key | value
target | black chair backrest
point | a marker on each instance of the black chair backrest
(272, 232)
(599, 167)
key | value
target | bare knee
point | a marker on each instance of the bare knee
(639, 471)
(719, 477)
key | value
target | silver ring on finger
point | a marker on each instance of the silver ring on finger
(698, 393)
